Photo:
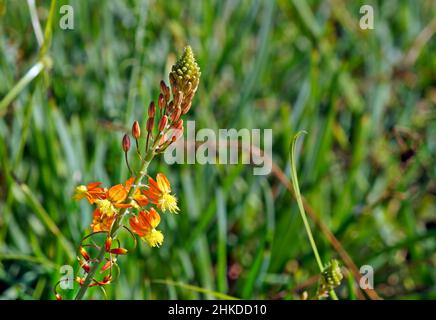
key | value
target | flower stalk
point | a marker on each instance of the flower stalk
(141, 201)
(142, 172)
(324, 270)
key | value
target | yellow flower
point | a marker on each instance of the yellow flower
(92, 192)
(101, 222)
(154, 238)
(159, 193)
(145, 224)
(168, 202)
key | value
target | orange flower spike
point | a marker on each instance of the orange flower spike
(92, 192)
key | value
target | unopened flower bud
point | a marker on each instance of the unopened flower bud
(108, 243)
(150, 124)
(107, 279)
(106, 266)
(118, 251)
(186, 107)
(163, 123)
(161, 101)
(58, 297)
(84, 253)
(171, 106)
(136, 130)
(85, 266)
(151, 110)
(126, 143)
(178, 98)
(176, 115)
(178, 125)
(165, 90)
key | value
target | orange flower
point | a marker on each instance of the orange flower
(117, 195)
(144, 225)
(101, 221)
(92, 192)
(159, 193)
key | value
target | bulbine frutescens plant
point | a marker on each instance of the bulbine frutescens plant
(135, 205)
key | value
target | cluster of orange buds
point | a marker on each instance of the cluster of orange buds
(172, 103)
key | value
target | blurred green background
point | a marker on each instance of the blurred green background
(366, 167)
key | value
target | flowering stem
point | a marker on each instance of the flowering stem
(117, 223)
(303, 212)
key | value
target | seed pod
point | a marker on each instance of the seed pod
(150, 124)
(85, 266)
(118, 251)
(163, 123)
(126, 143)
(84, 253)
(136, 130)
(106, 266)
(107, 279)
(108, 243)
(151, 110)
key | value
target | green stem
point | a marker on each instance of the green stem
(302, 211)
(117, 224)
(43, 63)
(21, 84)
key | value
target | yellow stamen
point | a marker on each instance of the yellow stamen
(154, 238)
(81, 192)
(168, 202)
(106, 207)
